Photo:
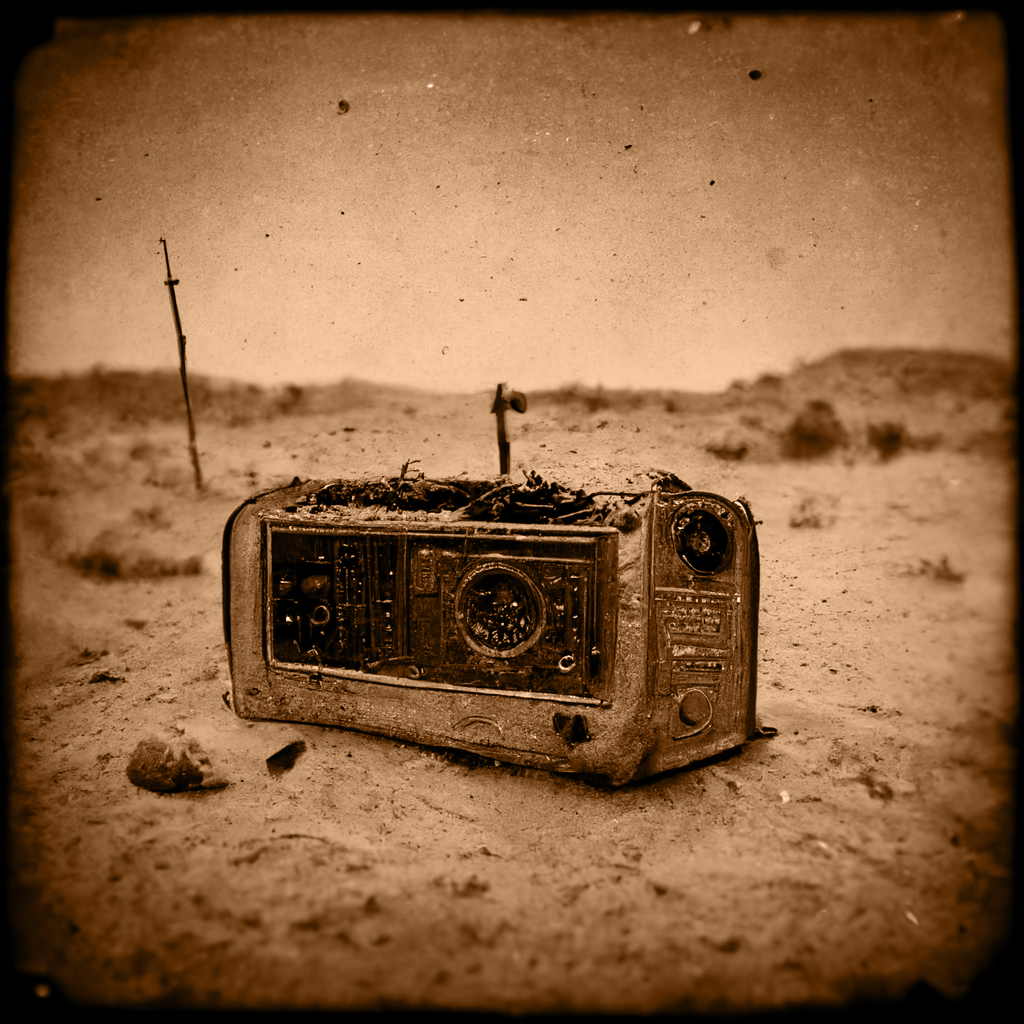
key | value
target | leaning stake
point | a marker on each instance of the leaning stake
(171, 282)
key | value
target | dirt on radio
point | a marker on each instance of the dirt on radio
(861, 854)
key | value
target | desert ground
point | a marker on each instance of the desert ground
(861, 854)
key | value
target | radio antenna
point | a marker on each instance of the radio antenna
(503, 399)
(171, 282)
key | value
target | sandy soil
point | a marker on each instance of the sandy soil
(862, 853)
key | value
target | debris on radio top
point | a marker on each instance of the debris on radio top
(534, 501)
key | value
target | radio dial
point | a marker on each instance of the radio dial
(499, 610)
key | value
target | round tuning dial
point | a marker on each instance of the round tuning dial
(499, 610)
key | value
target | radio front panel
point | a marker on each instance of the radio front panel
(470, 609)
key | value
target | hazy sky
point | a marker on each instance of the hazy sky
(628, 200)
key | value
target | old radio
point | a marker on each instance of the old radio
(612, 634)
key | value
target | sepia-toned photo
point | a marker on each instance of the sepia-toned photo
(512, 512)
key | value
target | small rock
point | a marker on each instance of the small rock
(284, 760)
(104, 677)
(88, 656)
(172, 766)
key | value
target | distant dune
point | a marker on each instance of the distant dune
(141, 396)
(888, 400)
(874, 371)
(865, 374)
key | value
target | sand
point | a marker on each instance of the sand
(862, 853)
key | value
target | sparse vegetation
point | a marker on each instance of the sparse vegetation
(815, 512)
(110, 565)
(290, 400)
(814, 432)
(109, 556)
(599, 399)
(887, 438)
(154, 517)
(595, 400)
(128, 397)
(900, 387)
(940, 570)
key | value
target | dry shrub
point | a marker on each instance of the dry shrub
(814, 432)
(595, 401)
(109, 557)
(887, 438)
(890, 438)
(290, 400)
(815, 511)
(154, 517)
(940, 570)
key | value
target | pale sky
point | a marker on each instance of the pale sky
(632, 201)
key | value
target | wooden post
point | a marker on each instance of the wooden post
(171, 282)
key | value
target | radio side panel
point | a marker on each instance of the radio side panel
(702, 653)
(241, 569)
(244, 592)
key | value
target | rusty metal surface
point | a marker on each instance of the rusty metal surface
(619, 650)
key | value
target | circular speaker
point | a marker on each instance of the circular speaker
(702, 540)
(500, 611)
